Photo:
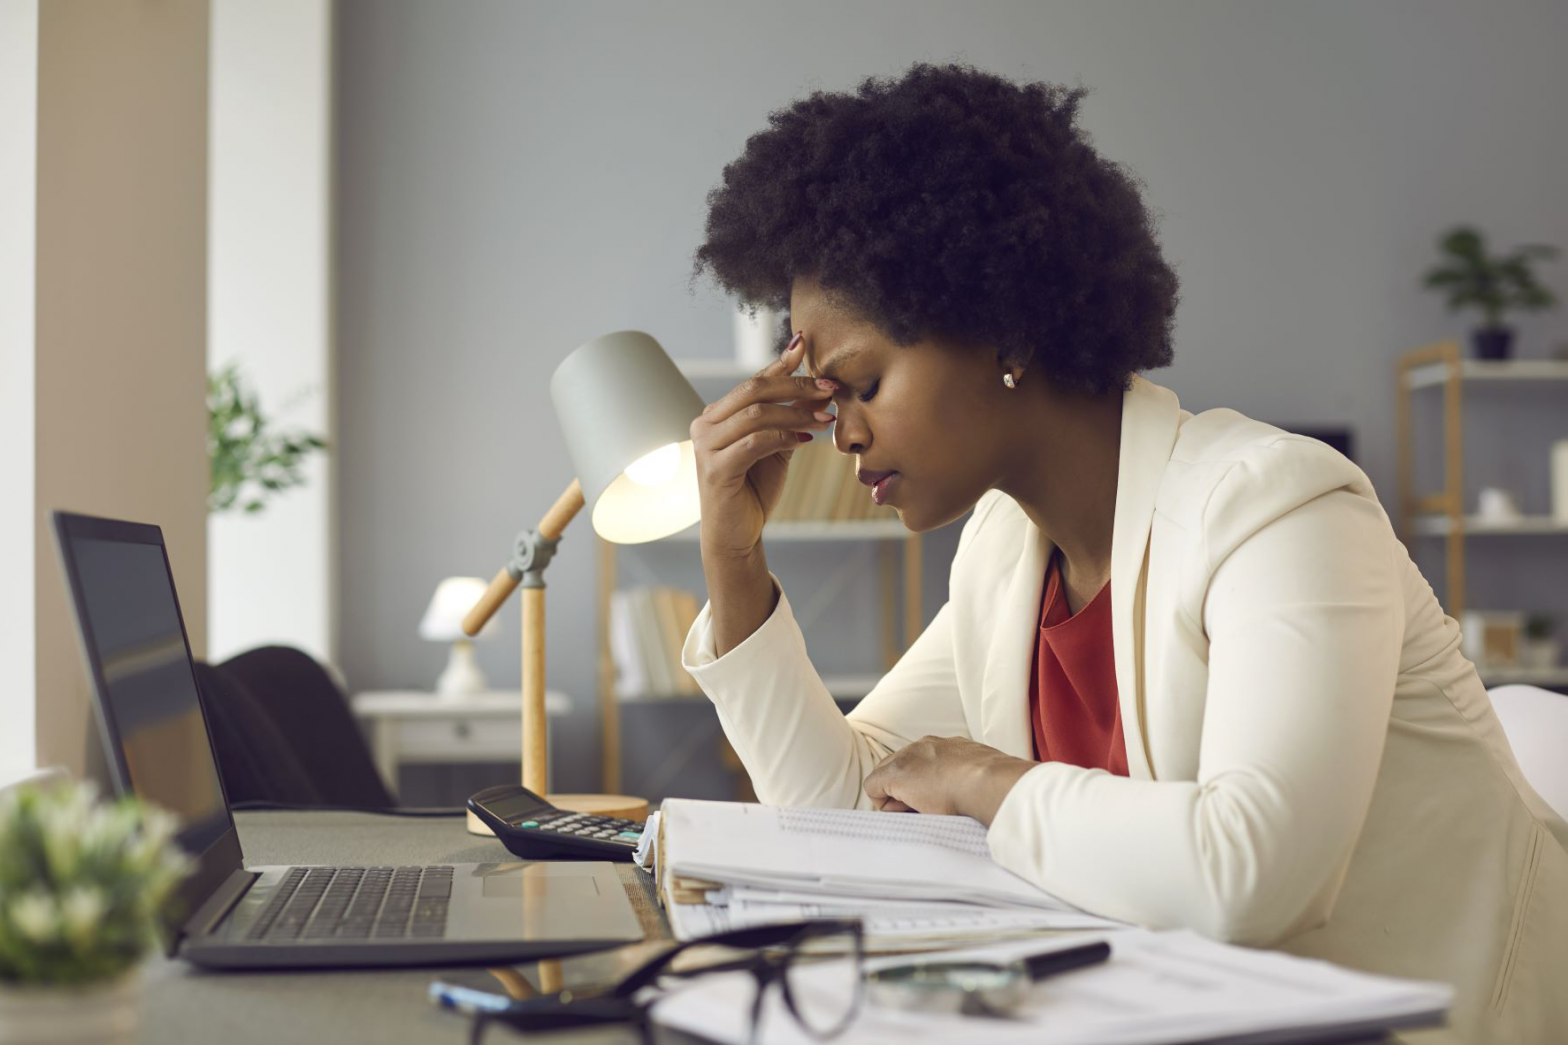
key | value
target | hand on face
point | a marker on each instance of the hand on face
(951, 775)
(743, 444)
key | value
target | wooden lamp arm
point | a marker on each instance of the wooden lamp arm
(550, 528)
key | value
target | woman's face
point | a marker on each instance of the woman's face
(934, 413)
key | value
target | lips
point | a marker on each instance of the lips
(872, 478)
(881, 484)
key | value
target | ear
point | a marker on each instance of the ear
(1010, 370)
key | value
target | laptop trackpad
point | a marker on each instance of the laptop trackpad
(515, 883)
(556, 900)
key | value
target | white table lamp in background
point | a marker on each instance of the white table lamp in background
(626, 412)
(443, 622)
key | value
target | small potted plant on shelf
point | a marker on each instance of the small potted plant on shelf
(1540, 649)
(82, 888)
(1495, 285)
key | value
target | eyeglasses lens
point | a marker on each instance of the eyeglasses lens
(823, 998)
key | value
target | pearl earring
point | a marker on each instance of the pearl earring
(1009, 380)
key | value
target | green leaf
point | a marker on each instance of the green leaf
(1464, 242)
(246, 457)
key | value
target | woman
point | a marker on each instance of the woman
(1186, 673)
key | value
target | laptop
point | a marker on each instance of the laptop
(159, 747)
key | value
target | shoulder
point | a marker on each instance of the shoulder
(993, 513)
(989, 543)
(1229, 476)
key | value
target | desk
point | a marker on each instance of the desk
(387, 1007)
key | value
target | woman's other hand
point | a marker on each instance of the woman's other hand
(743, 443)
(951, 775)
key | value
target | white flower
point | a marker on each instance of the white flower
(108, 828)
(36, 916)
(80, 910)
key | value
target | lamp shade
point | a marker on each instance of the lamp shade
(626, 412)
(454, 597)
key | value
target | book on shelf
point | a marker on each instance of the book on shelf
(821, 487)
(631, 679)
(648, 626)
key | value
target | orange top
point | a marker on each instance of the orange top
(1073, 703)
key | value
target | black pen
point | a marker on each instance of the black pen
(975, 987)
(1050, 963)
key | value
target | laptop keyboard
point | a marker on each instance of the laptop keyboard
(357, 903)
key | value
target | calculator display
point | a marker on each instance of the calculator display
(515, 807)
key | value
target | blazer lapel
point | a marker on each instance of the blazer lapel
(1005, 689)
(1150, 415)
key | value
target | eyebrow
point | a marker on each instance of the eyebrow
(838, 359)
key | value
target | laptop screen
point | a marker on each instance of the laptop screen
(135, 641)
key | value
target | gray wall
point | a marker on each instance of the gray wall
(514, 179)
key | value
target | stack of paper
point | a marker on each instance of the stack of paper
(914, 880)
(1156, 989)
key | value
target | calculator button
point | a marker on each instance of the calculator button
(529, 823)
(634, 835)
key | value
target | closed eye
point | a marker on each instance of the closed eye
(865, 397)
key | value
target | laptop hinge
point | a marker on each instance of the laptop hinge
(219, 903)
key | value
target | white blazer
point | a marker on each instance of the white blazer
(1314, 766)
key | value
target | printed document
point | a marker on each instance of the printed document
(916, 882)
(843, 853)
(1157, 989)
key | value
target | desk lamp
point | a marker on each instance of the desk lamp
(626, 412)
(442, 622)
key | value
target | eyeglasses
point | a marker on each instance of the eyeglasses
(773, 954)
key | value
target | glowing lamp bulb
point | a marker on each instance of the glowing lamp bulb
(657, 468)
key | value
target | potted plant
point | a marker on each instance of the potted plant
(1495, 285)
(83, 887)
(1540, 648)
(249, 459)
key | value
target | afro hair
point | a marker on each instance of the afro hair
(951, 203)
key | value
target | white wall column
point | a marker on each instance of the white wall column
(270, 578)
(18, 240)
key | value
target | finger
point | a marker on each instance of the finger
(876, 782)
(789, 359)
(764, 387)
(759, 417)
(733, 462)
(893, 805)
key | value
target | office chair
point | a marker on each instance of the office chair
(1536, 723)
(284, 733)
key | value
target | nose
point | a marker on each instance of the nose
(850, 434)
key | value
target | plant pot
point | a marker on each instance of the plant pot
(1539, 654)
(108, 1013)
(1493, 343)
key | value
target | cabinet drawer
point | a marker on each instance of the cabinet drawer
(459, 740)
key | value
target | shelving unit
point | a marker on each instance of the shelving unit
(888, 535)
(1442, 515)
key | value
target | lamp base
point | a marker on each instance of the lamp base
(462, 676)
(624, 806)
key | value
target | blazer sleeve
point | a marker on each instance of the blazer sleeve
(1304, 618)
(796, 744)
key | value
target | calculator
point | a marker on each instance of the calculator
(534, 829)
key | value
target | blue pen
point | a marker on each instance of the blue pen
(468, 1000)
